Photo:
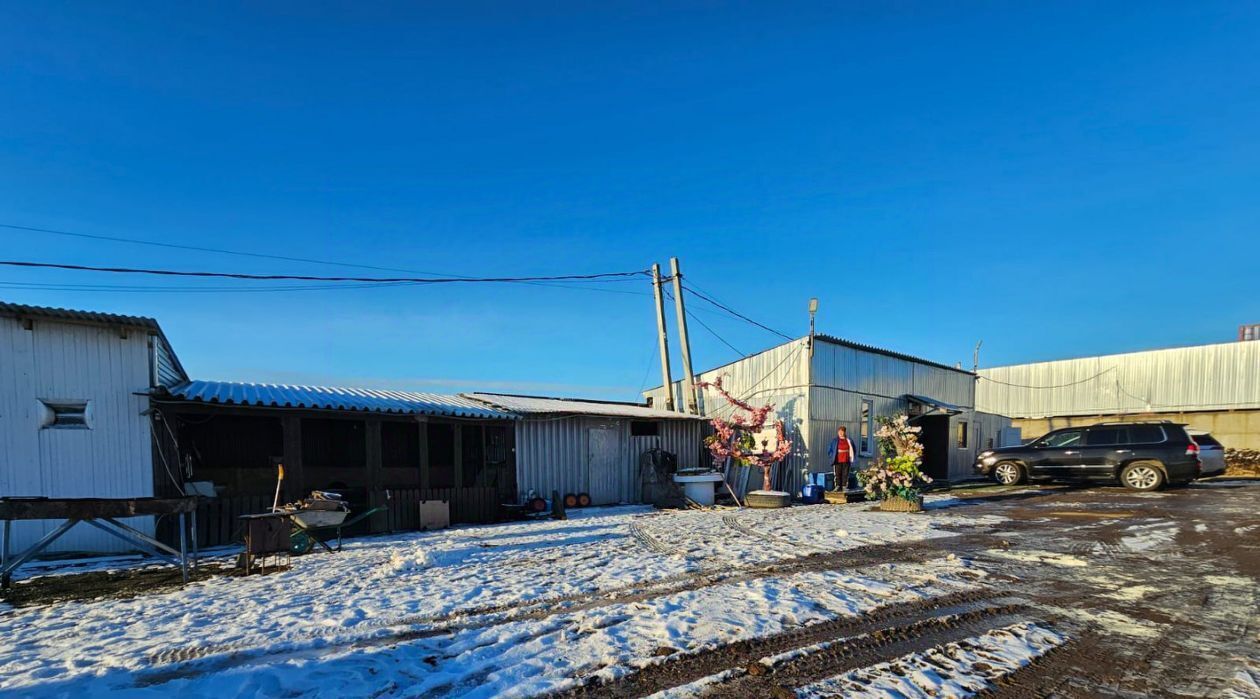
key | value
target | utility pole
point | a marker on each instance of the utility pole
(664, 340)
(975, 358)
(690, 396)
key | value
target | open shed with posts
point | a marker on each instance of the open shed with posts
(595, 447)
(375, 447)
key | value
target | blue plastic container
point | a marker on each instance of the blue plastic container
(812, 494)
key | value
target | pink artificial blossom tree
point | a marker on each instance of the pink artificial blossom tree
(735, 438)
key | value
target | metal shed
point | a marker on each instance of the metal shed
(575, 446)
(841, 382)
(73, 408)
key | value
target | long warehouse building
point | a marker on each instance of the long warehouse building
(1214, 388)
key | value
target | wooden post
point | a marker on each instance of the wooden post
(294, 474)
(459, 457)
(424, 451)
(376, 493)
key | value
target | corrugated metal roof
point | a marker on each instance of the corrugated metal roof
(887, 353)
(17, 310)
(331, 398)
(528, 405)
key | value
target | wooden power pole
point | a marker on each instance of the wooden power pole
(690, 396)
(664, 339)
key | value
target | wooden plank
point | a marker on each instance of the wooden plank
(91, 508)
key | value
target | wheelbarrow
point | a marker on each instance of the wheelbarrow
(322, 512)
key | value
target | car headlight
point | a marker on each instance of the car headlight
(986, 453)
(988, 460)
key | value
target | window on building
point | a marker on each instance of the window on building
(866, 429)
(961, 435)
(66, 415)
(645, 428)
(441, 455)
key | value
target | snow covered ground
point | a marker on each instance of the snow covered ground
(475, 611)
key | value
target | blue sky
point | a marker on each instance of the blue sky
(1058, 179)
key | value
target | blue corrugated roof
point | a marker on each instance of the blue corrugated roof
(330, 398)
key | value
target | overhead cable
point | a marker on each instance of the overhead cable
(313, 278)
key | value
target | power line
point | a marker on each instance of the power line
(1062, 385)
(705, 325)
(313, 278)
(267, 256)
(713, 332)
(170, 289)
(163, 289)
(220, 251)
(734, 313)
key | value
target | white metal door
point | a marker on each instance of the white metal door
(603, 467)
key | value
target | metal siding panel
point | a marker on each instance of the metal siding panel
(551, 456)
(168, 371)
(779, 376)
(1209, 377)
(113, 458)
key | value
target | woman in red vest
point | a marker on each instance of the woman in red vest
(842, 453)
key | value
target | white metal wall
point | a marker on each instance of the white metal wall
(67, 362)
(842, 377)
(1208, 377)
(554, 454)
(845, 376)
(780, 376)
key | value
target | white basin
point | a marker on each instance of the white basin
(699, 486)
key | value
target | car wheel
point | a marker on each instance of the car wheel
(1142, 475)
(1008, 473)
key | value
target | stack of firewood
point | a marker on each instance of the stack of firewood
(1242, 462)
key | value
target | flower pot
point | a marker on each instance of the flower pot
(767, 499)
(897, 504)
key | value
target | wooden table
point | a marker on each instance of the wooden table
(102, 513)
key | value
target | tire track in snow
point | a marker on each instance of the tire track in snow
(733, 659)
(732, 521)
(404, 629)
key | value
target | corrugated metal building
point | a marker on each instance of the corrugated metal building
(1211, 387)
(851, 384)
(73, 419)
(594, 447)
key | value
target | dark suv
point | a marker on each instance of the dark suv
(1140, 455)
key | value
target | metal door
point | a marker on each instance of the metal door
(603, 467)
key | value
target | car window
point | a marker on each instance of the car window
(1066, 438)
(1104, 436)
(1145, 434)
(1205, 440)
